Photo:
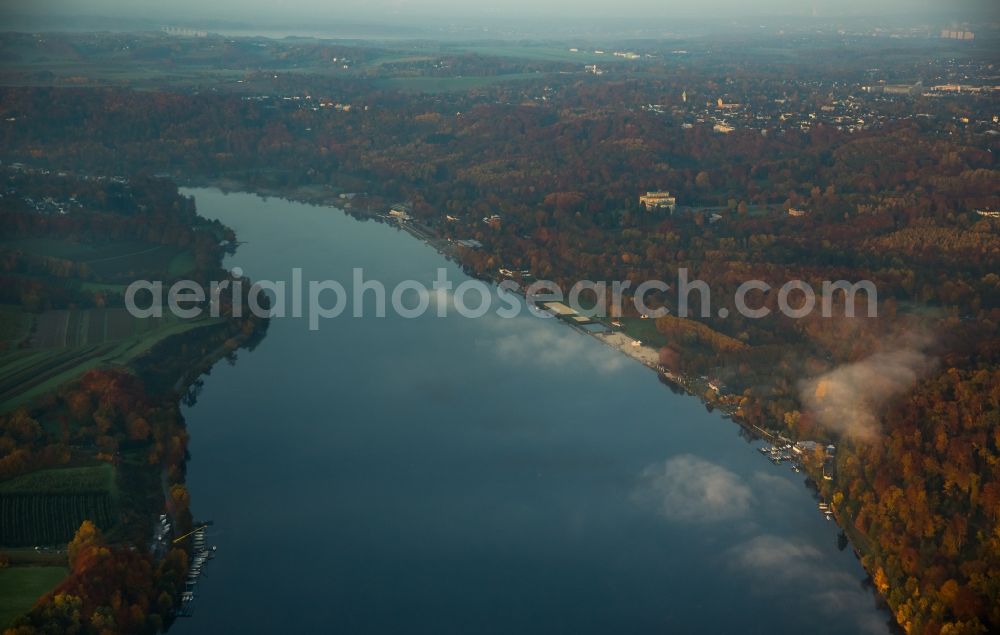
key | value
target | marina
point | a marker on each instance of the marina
(201, 553)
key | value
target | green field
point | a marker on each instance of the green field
(14, 326)
(540, 53)
(643, 330)
(20, 588)
(108, 259)
(67, 343)
(181, 263)
(425, 84)
(537, 52)
(41, 351)
(66, 480)
(46, 507)
(104, 286)
(399, 58)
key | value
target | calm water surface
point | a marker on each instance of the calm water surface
(480, 476)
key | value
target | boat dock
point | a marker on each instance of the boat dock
(201, 553)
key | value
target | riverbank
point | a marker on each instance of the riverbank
(620, 341)
(617, 338)
(525, 457)
(107, 452)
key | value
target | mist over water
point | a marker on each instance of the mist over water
(481, 475)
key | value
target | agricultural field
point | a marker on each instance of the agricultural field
(430, 84)
(46, 507)
(400, 58)
(41, 65)
(107, 287)
(540, 53)
(64, 480)
(20, 588)
(110, 260)
(64, 344)
(15, 325)
(425, 51)
(41, 351)
(75, 328)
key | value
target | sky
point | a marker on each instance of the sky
(474, 8)
(287, 12)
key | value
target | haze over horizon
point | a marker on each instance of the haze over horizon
(402, 12)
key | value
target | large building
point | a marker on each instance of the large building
(952, 34)
(658, 200)
(895, 89)
(400, 211)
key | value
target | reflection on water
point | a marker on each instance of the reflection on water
(490, 475)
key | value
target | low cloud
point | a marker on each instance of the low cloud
(773, 552)
(781, 564)
(689, 489)
(773, 483)
(850, 399)
(541, 346)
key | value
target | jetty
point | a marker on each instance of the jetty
(201, 553)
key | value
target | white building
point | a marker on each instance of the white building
(658, 200)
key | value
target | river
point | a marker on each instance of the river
(456, 475)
